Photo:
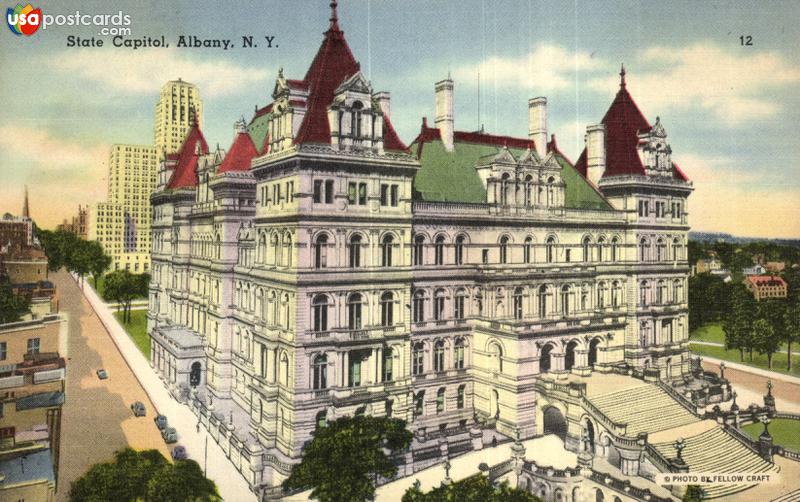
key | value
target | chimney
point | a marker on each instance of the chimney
(595, 152)
(383, 99)
(537, 124)
(444, 112)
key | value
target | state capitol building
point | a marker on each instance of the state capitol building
(322, 267)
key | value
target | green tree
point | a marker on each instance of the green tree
(765, 340)
(476, 488)
(143, 476)
(344, 458)
(12, 306)
(737, 325)
(122, 287)
(792, 332)
(693, 494)
(183, 481)
(99, 261)
(59, 247)
(79, 259)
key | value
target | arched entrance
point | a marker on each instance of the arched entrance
(194, 374)
(590, 433)
(544, 358)
(569, 356)
(494, 404)
(593, 351)
(555, 423)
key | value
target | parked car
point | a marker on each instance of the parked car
(170, 435)
(102, 374)
(179, 453)
(138, 409)
(161, 422)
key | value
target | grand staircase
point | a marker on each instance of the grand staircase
(646, 408)
(716, 451)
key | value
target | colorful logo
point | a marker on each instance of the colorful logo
(23, 20)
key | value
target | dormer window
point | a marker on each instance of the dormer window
(355, 124)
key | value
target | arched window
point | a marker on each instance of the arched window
(284, 374)
(438, 305)
(644, 250)
(419, 403)
(388, 364)
(439, 250)
(587, 249)
(551, 195)
(644, 334)
(386, 250)
(459, 250)
(276, 255)
(460, 396)
(320, 371)
(354, 303)
(458, 354)
(614, 244)
(504, 249)
(544, 358)
(566, 293)
(355, 251)
(661, 250)
(321, 419)
(438, 356)
(273, 302)
(355, 119)
(542, 300)
(287, 247)
(504, 186)
(458, 304)
(550, 249)
(320, 312)
(644, 292)
(676, 249)
(585, 298)
(517, 304)
(419, 250)
(661, 292)
(526, 250)
(616, 294)
(286, 313)
(601, 295)
(321, 251)
(262, 249)
(495, 357)
(528, 190)
(677, 291)
(417, 359)
(440, 400)
(387, 309)
(419, 306)
(601, 243)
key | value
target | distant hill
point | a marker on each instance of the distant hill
(723, 237)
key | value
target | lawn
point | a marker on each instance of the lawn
(711, 332)
(784, 432)
(137, 330)
(759, 360)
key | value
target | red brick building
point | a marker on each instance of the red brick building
(765, 287)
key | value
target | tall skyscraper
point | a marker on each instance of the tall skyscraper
(178, 101)
(122, 223)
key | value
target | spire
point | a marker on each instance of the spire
(26, 212)
(334, 17)
(622, 76)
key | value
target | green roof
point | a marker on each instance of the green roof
(452, 177)
(258, 129)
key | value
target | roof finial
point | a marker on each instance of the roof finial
(334, 16)
(622, 76)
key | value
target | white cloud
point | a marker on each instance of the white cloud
(546, 68)
(733, 85)
(144, 71)
(39, 148)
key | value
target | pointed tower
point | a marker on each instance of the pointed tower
(26, 210)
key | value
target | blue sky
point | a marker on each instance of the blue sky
(730, 110)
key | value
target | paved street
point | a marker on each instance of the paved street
(97, 419)
(231, 484)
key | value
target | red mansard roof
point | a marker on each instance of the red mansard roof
(185, 173)
(239, 155)
(624, 121)
(766, 280)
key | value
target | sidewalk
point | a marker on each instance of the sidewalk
(752, 369)
(230, 483)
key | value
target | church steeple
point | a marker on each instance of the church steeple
(26, 210)
(622, 76)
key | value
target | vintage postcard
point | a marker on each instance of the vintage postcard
(412, 251)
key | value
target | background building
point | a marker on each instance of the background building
(78, 224)
(122, 223)
(178, 100)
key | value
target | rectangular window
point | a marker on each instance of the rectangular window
(384, 195)
(3, 351)
(33, 345)
(328, 191)
(351, 193)
(362, 194)
(485, 256)
(393, 197)
(567, 254)
(317, 191)
(290, 191)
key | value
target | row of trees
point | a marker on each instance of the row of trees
(65, 249)
(144, 476)
(123, 287)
